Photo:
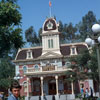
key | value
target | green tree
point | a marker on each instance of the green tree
(7, 72)
(79, 66)
(62, 33)
(40, 35)
(10, 31)
(70, 32)
(10, 39)
(31, 36)
(86, 24)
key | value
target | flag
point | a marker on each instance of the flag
(50, 3)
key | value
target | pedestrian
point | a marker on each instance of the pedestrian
(1, 96)
(86, 93)
(15, 89)
(82, 91)
(91, 92)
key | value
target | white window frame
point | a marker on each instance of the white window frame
(29, 54)
(71, 50)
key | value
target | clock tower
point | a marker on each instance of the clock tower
(50, 37)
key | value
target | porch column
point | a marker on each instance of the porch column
(72, 85)
(27, 87)
(56, 77)
(42, 86)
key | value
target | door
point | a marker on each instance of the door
(52, 88)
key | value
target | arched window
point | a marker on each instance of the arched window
(36, 67)
(25, 86)
(24, 69)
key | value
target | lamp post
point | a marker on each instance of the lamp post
(18, 77)
(95, 40)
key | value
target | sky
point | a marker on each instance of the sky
(35, 12)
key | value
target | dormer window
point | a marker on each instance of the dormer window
(50, 43)
(29, 54)
(73, 50)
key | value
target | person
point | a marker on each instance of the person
(15, 90)
(82, 91)
(91, 92)
(1, 96)
(86, 93)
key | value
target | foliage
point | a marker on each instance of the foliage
(40, 35)
(6, 72)
(10, 39)
(10, 32)
(86, 24)
(68, 32)
(31, 36)
(79, 66)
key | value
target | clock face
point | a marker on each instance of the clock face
(49, 25)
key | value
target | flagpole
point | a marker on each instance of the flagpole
(50, 11)
(50, 7)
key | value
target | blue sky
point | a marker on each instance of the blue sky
(34, 12)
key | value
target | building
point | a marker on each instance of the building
(43, 69)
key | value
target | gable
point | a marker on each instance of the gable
(50, 55)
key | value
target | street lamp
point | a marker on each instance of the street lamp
(18, 77)
(95, 40)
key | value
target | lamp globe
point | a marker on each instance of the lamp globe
(96, 28)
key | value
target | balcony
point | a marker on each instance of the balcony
(47, 70)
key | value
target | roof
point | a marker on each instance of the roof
(37, 51)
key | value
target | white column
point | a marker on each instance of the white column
(42, 86)
(56, 77)
(72, 87)
(27, 87)
(72, 84)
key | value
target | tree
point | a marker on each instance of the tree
(7, 71)
(31, 36)
(62, 33)
(10, 39)
(10, 32)
(70, 32)
(79, 66)
(40, 35)
(86, 24)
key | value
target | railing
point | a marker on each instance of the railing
(47, 69)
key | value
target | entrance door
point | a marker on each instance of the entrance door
(52, 88)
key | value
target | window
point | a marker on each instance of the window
(25, 86)
(68, 64)
(29, 54)
(36, 67)
(73, 50)
(50, 43)
(24, 68)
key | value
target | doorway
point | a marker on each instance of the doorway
(52, 87)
